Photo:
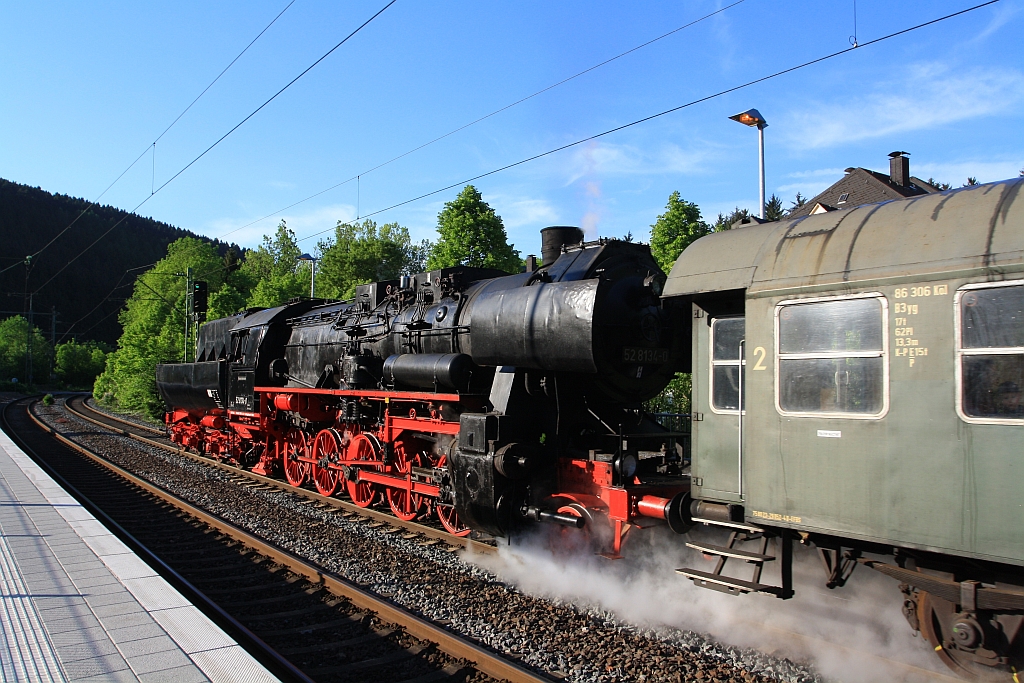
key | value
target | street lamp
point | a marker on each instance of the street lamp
(753, 118)
(312, 273)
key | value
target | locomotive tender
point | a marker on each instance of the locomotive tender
(491, 400)
(857, 383)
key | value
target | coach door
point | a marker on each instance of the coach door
(718, 402)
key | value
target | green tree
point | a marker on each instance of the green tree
(154, 326)
(939, 185)
(472, 234)
(971, 180)
(13, 347)
(676, 229)
(675, 398)
(273, 270)
(773, 210)
(78, 365)
(365, 252)
(725, 221)
(672, 232)
(798, 202)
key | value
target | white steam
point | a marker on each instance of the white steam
(852, 634)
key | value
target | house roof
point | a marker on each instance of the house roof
(862, 186)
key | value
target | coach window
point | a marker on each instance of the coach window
(726, 336)
(991, 352)
(831, 357)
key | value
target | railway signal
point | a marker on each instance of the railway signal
(200, 297)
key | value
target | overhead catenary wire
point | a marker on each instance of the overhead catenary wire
(218, 141)
(105, 299)
(463, 127)
(673, 109)
(152, 146)
(691, 103)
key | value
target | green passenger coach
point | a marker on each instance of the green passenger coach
(857, 382)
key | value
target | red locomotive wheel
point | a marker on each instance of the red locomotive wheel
(450, 520)
(363, 447)
(446, 513)
(404, 504)
(326, 450)
(294, 446)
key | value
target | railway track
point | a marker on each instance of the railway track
(144, 434)
(79, 407)
(303, 622)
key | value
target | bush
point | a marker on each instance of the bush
(48, 400)
(78, 365)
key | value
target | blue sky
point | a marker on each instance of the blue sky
(85, 88)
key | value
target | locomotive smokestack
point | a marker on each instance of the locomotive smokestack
(556, 237)
(899, 169)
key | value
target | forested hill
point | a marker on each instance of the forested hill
(31, 217)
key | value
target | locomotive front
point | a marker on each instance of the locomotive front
(493, 400)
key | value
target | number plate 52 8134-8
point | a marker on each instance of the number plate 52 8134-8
(637, 355)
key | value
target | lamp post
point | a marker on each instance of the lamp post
(312, 273)
(753, 118)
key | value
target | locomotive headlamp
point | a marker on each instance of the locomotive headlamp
(625, 465)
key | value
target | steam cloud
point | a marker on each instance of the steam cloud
(852, 634)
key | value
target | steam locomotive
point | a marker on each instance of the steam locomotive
(857, 384)
(492, 401)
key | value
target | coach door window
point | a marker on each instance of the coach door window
(991, 352)
(832, 357)
(726, 335)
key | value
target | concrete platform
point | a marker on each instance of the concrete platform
(77, 605)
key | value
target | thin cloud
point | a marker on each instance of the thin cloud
(817, 173)
(516, 212)
(314, 220)
(606, 160)
(957, 172)
(931, 96)
(1001, 15)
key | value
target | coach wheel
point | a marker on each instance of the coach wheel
(294, 446)
(979, 646)
(326, 450)
(363, 447)
(405, 504)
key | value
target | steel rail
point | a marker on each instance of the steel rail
(376, 515)
(913, 672)
(252, 643)
(418, 627)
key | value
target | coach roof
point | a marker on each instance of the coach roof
(977, 230)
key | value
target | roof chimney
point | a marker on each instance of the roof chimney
(899, 169)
